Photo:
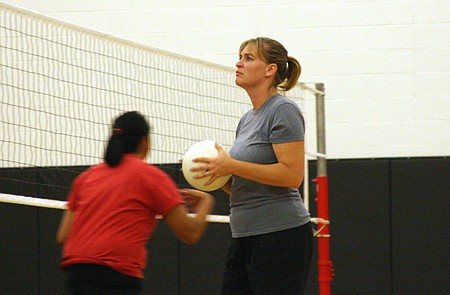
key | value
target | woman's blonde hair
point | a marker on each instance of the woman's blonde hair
(272, 51)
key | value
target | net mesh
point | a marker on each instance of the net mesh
(61, 85)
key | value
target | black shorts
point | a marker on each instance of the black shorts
(273, 263)
(99, 279)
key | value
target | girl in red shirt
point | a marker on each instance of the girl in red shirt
(111, 214)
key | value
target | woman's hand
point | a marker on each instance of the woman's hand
(221, 165)
(190, 228)
(193, 197)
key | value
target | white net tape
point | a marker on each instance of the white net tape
(55, 204)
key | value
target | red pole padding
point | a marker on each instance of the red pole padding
(325, 266)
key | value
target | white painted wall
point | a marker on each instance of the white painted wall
(385, 64)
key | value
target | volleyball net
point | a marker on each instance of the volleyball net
(62, 85)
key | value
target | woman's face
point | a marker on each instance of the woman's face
(251, 69)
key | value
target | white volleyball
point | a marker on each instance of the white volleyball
(206, 149)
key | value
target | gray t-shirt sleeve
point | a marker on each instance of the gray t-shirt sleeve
(288, 124)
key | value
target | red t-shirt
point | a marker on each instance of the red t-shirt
(115, 212)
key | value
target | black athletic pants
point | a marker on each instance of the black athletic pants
(93, 279)
(269, 264)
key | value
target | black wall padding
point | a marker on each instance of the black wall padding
(360, 226)
(19, 236)
(420, 226)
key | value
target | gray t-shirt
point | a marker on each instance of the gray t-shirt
(258, 208)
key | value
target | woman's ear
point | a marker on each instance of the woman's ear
(144, 147)
(271, 70)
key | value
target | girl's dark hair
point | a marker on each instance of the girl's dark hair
(127, 130)
(272, 51)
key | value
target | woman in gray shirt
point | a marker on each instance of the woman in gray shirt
(272, 240)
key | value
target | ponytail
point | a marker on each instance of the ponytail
(292, 74)
(114, 150)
